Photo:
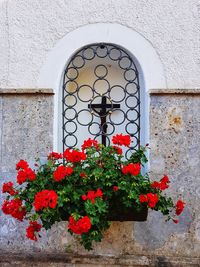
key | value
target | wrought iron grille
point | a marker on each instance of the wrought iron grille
(101, 96)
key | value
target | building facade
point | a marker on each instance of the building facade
(37, 41)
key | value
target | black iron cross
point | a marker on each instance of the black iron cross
(102, 113)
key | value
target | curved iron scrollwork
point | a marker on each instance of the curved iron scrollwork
(101, 96)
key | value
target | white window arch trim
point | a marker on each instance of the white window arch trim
(148, 63)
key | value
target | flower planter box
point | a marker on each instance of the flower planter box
(89, 188)
(120, 214)
(123, 215)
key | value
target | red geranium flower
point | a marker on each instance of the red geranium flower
(45, 199)
(91, 195)
(99, 193)
(118, 149)
(132, 168)
(21, 177)
(54, 156)
(22, 164)
(31, 229)
(74, 155)
(80, 226)
(143, 198)
(89, 143)
(82, 175)
(30, 174)
(25, 174)
(121, 140)
(150, 198)
(165, 179)
(8, 188)
(14, 208)
(180, 205)
(61, 172)
(162, 185)
(115, 188)
(155, 185)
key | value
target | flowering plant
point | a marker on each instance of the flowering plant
(86, 187)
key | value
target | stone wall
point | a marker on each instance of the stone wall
(26, 131)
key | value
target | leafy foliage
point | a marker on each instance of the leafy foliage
(98, 187)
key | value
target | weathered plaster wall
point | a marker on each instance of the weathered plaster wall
(30, 29)
(4, 44)
(175, 150)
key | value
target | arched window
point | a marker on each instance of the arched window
(149, 72)
(101, 96)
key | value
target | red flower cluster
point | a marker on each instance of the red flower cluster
(121, 140)
(25, 174)
(74, 155)
(14, 208)
(115, 188)
(118, 149)
(22, 164)
(89, 143)
(61, 172)
(8, 188)
(54, 156)
(31, 229)
(91, 195)
(180, 205)
(83, 175)
(132, 168)
(81, 226)
(162, 185)
(45, 199)
(151, 199)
